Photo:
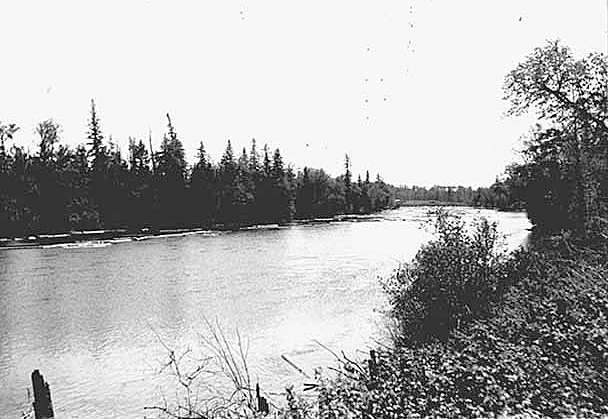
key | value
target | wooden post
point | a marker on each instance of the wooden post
(43, 407)
(262, 402)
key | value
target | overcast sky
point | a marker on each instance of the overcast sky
(410, 89)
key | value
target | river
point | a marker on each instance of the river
(95, 320)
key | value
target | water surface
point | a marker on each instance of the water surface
(90, 318)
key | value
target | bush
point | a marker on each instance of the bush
(541, 351)
(453, 279)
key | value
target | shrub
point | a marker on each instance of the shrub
(454, 278)
(541, 351)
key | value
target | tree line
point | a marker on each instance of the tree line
(58, 188)
(499, 195)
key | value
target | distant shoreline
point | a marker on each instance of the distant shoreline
(73, 237)
(431, 203)
(87, 236)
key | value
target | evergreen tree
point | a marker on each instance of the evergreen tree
(117, 181)
(367, 202)
(304, 197)
(254, 158)
(282, 201)
(202, 190)
(347, 185)
(255, 183)
(227, 205)
(264, 190)
(50, 206)
(99, 160)
(171, 176)
(95, 141)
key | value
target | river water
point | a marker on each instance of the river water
(95, 320)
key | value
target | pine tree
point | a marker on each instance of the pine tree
(267, 165)
(140, 187)
(243, 163)
(281, 205)
(304, 197)
(49, 204)
(202, 190)
(171, 177)
(264, 190)
(227, 204)
(348, 185)
(171, 160)
(95, 140)
(99, 160)
(254, 158)
(367, 202)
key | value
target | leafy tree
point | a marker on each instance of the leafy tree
(564, 178)
(8, 183)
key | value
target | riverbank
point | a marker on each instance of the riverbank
(99, 237)
(539, 348)
(430, 203)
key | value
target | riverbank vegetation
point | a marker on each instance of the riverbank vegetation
(58, 188)
(500, 195)
(478, 332)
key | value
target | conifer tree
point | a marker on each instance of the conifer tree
(227, 208)
(171, 175)
(95, 141)
(254, 158)
(202, 189)
(99, 160)
(348, 185)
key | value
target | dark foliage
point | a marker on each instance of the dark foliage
(58, 189)
(482, 334)
(564, 180)
(453, 279)
(503, 194)
(538, 348)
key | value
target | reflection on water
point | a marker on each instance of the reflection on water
(87, 317)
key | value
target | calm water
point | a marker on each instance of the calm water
(90, 318)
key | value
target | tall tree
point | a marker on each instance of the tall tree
(50, 205)
(304, 196)
(171, 175)
(566, 170)
(100, 193)
(95, 140)
(348, 185)
(202, 189)
(228, 195)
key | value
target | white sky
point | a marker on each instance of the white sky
(291, 74)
